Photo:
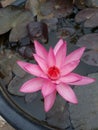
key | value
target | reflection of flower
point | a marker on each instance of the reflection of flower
(54, 73)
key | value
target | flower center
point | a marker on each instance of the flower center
(53, 73)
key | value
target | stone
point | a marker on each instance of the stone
(4, 125)
(38, 30)
(2, 122)
(84, 115)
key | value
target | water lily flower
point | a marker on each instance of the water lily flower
(53, 73)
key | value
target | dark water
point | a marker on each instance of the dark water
(35, 109)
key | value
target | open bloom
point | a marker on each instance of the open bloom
(53, 73)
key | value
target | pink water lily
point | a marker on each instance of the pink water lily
(53, 73)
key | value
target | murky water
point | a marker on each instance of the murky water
(72, 32)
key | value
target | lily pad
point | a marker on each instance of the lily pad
(50, 9)
(16, 19)
(31, 97)
(90, 58)
(59, 113)
(65, 33)
(18, 71)
(80, 4)
(7, 60)
(92, 22)
(20, 26)
(85, 14)
(33, 6)
(7, 16)
(86, 3)
(16, 83)
(59, 8)
(90, 41)
(92, 3)
(87, 109)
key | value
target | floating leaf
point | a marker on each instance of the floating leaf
(59, 113)
(65, 32)
(89, 15)
(16, 83)
(33, 6)
(87, 108)
(80, 4)
(14, 87)
(7, 17)
(18, 71)
(5, 3)
(86, 3)
(92, 21)
(92, 3)
(85, 14)
(90, 58)
(48, 9)
(19, 26)
(16, 19)
(90, 41)
(59, 8)
(31, 97)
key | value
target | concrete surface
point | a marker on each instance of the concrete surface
(4, 125)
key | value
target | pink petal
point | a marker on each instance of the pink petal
(75, 55)
(72, 77)
(83, 81)
(22, 64)
(49, 101)
(35, 70)
(47, 88)
(32, 85)
(60, 55)
(69, 67)
(51, 58)
(58, 45)
(66, 92)
(40, 50)
(42, 63)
